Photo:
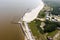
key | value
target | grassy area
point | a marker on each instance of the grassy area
(35, 30)
(52, 33)
(41, 14)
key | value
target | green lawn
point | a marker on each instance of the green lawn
(41, 14)
(35, 31)
(52, 33)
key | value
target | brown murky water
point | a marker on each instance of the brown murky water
(10, 11)
(10, 31)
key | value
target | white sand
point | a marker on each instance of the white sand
(28, 17)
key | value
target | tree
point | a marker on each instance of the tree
(41, 14)
(50, 26)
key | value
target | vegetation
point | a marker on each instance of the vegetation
(56, 11)
(36, 30)
(38, 23)
(41, 14)
(58, 24)
(52, 34)
(50, 26)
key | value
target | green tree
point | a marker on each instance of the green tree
(41, 14)
(50, 26)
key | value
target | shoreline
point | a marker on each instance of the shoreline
(28, 17)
